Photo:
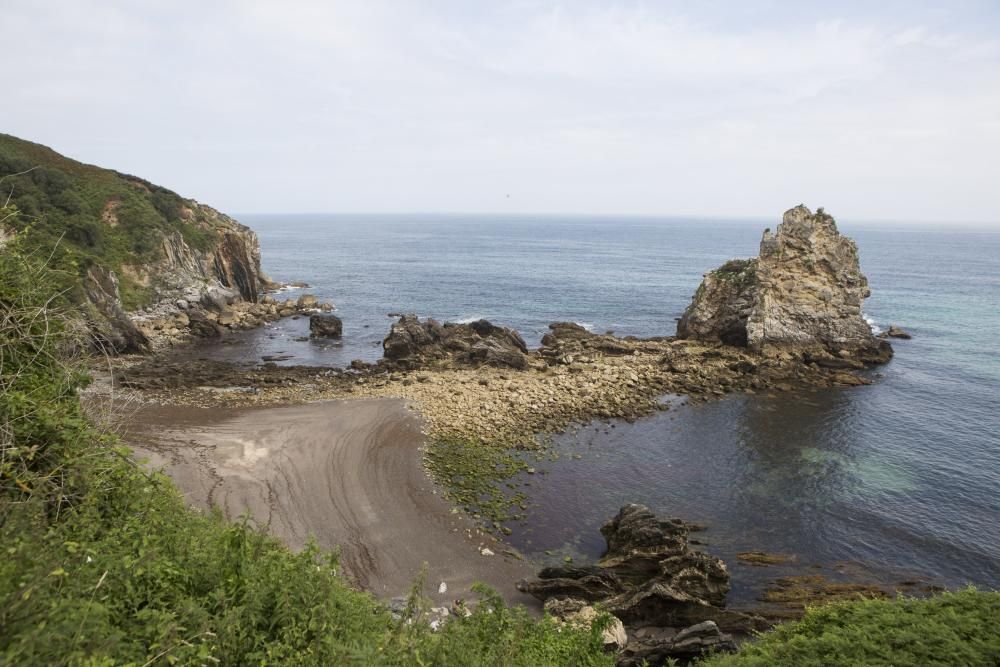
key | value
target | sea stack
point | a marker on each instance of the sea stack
(804, 292)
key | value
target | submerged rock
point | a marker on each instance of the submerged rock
(803, 292)
(670, 598)
(480, 342)
(896, 332)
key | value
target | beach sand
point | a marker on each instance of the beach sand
(347, 472)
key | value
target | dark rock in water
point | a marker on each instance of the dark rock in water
(803, 292)
(896, 332)
(325, 326)
(670, 598)
(481, 342)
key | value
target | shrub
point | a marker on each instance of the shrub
(958, 628)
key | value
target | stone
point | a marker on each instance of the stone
(896, 332)
(325, 326)
(477, 343)
(580, 614)
(649, 579)
(307, 301)
(804, 291)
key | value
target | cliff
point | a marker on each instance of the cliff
(137, 249)
(803, 292)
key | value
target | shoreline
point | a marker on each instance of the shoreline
(347, 472)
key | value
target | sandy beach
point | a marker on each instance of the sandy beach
(347, 472)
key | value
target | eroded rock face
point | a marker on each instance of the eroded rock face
(652, 581)
(481, 342)
(804, 291)
(110, 327)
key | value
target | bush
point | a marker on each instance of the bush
(958, 628)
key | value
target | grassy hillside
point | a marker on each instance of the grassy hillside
(94, 215)
(104, 564)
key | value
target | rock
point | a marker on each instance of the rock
(687, 644)
(649, 578)
(182, 304)
(307, 301)
(896, 332)
(111, 328)
(218, 298)
(325, 326)
(580, 614)
(477, 343)
(804, 291)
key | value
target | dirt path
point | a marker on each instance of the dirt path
(347, 472)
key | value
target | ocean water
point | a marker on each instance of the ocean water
(898, 480)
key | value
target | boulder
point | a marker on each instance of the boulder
(307, 301)
(413, 341)
(804, 291)
(325, 326)
(896, 332)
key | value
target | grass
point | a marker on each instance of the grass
(957, 628)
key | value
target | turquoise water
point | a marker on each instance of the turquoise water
(899, 479)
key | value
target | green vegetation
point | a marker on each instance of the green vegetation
(477, 476)
(103, 563)
(957, 628)
(92, 215)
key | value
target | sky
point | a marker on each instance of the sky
(875, 110)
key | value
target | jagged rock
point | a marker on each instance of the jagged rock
(804, 291)
(655, 648)
(481, 342)
(650, 578)
(325, 326)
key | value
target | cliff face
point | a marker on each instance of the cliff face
(139, 249)
(804, 291)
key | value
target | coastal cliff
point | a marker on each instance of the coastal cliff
(803, 292)
(139, 254)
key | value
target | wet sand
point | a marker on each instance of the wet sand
(347, 472)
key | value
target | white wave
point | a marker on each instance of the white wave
(872, 324)
(467, 320)
(586, 325)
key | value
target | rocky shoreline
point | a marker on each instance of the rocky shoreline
(788, 320)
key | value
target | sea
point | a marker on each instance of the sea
(897, 482)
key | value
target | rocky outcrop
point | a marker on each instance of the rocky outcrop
(670, 598)
(325, 326)
(412, 342)
(110, 327)
(804, 291)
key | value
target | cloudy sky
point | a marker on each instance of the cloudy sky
(739, 108)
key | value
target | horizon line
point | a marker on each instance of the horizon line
(896, 222)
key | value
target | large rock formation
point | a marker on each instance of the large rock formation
(670, 598)
(803, 292)
(412, 342)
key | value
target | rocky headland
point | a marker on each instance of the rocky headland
(145, 268)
